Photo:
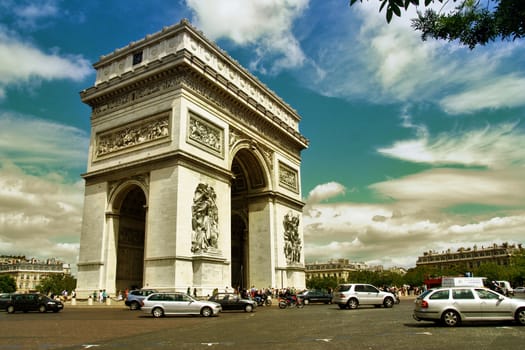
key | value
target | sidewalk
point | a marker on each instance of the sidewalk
(110, 303)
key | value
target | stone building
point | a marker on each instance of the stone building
(193, 175)
(339, 268)
(471, 257)
(28, 273)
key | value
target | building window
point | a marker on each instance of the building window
(137, 57)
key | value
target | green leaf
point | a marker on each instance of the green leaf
(397, 11)
(382, 5)
(388, 14)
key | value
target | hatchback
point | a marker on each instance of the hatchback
(451, 306)
(231, 301)
(351, 296)
(162, 304)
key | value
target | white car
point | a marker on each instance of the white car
(451, 306)
(352, 295)
(162, 304)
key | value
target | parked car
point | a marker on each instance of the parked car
(33, 302)
(231, 301)
(451, 306)
(353, 295)
(135, 297)
(519, 290)
(4, 299)
(162, 304)
(315, 296)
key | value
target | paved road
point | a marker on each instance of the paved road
(314, 327)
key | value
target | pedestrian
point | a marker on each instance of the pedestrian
(195, 292)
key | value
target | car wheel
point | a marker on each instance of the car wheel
(157, 312)
(388, 303)
(42, 308)
(450, 318)
(353, 303)
(306, 301)
(10, 309)
(248, 308)
(206, 312)
(134, 305)
(520, 316)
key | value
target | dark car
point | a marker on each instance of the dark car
(231, 301)
(136, 296)
(4, 299)
(315, 296)
(33, 302)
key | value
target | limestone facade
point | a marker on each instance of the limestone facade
(193, 176)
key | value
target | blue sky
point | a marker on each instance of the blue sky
(414, 146)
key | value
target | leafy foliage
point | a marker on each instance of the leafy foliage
(7, 284)
(471, 22)
(56, 284)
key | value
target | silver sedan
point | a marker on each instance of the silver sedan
(162, 304)
(451, 306)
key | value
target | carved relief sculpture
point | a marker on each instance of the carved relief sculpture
(133, 135)
(205, 219)
(292, 241)
(205, 134)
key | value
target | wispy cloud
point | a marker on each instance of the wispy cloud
(265, 25)
(496, 146)
(22, 63)
(53, 146)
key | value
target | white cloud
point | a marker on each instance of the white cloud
(325, 191)
(496, 147)
(385, 234)
(22, 63)
(53, 146)
(265, 24)
(39, 214)
(40, 206)
(500, 92)
(366, 58)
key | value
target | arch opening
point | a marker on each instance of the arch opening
(131, 239)
(248, 179)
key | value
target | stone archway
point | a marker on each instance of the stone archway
(175, 117)
(249, 182)
(130, 240)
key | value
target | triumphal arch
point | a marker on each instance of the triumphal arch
(193, 176)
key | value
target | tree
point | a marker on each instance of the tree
(56, 283)
(7, 284)
(471, 22)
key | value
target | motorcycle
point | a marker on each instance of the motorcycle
(292, 301)
(264, 300)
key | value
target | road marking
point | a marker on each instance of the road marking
(209, 344)
(327, 340)
(424, 333)
(88, 346)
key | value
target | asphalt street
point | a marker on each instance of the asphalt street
(313, 327)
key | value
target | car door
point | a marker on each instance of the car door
(373, 295)
(366, 294)
(494, 306)
(466, 303)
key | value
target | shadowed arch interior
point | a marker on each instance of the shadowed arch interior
(248, 178)
(131, 236)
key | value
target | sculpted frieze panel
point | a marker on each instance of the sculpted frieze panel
(205, 135)
(288, 177)
(144, 132)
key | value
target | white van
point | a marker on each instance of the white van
(506, 288)
(447, 282)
